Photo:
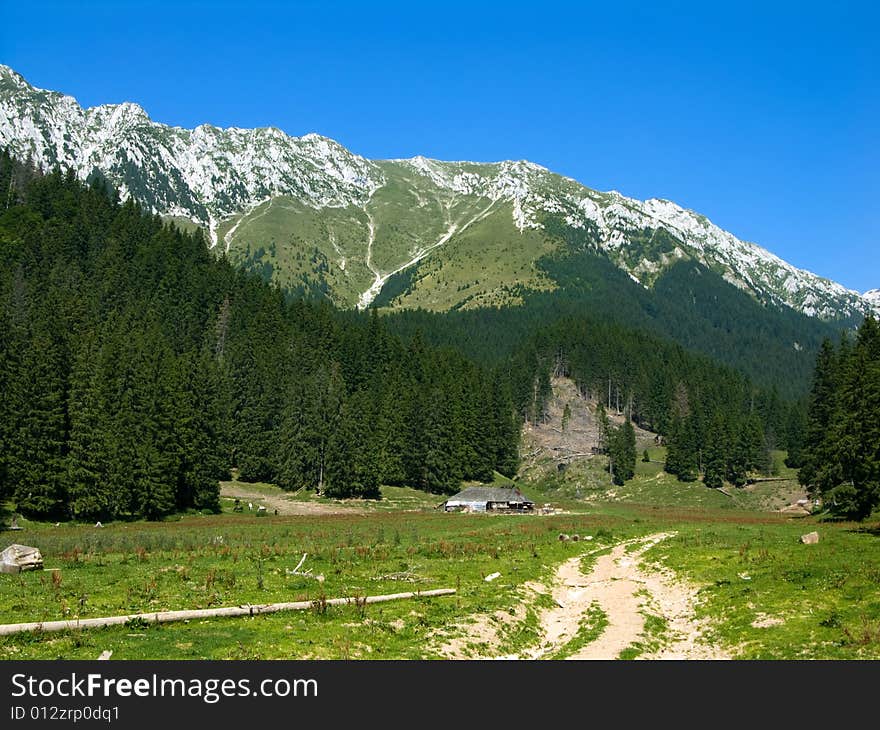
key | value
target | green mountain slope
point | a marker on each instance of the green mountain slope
(458, 249)
(297, 199)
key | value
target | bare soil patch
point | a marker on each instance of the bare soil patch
(284, 504)
(553, 442)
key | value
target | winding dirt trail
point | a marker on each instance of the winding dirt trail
(625, 589)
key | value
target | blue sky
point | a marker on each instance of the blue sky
(762, 116)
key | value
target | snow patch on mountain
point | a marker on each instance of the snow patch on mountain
(535, 191)
(206, 174)
(209, 175)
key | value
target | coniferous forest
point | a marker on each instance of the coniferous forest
(138, 369)
(840, 456)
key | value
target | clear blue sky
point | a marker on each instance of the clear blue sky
(763, 116)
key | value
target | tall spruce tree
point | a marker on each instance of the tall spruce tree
(352, 456)
(622, 452)
(715, 453)
(506, 428)
(90, 491)
(796, 428)
(38, 448)
(198, 425)
(842, 465)
(818, 460)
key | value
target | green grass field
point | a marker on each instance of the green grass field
(764, 594)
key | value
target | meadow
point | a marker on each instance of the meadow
(762, 593)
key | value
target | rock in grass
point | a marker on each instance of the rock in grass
(811, 538)
(19, 558)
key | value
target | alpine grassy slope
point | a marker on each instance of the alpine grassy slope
(312, 215)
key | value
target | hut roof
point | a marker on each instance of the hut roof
(491, 494)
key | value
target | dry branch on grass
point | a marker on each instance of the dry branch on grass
(304, 573)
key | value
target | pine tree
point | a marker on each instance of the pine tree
(796, 428)
(155, 450)
(507, 430)
(429, 461)
(738, 460)
(392, 406)
(352, 457)
(329, 394)
(38, 449)
(673, 446)
(818, 450)
(310, 417)
(256, 415)
(755, 445)
(298, 453)
(622, 452)
(90, 492)
(604, 427)
(479, 430)
(566, 416)
(137, 367)
(199, 432)
(852, 489)
(715, 453)
(682, 455)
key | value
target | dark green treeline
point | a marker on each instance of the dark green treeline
(137, 369)
(717, 424)
(840, 457)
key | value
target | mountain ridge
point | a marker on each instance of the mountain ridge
(375, 218)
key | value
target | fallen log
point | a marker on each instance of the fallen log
(228, 611)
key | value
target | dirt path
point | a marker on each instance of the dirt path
(625, 589)
(283, 504)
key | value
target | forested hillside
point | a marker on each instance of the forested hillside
(137, 369)
(688, 304)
